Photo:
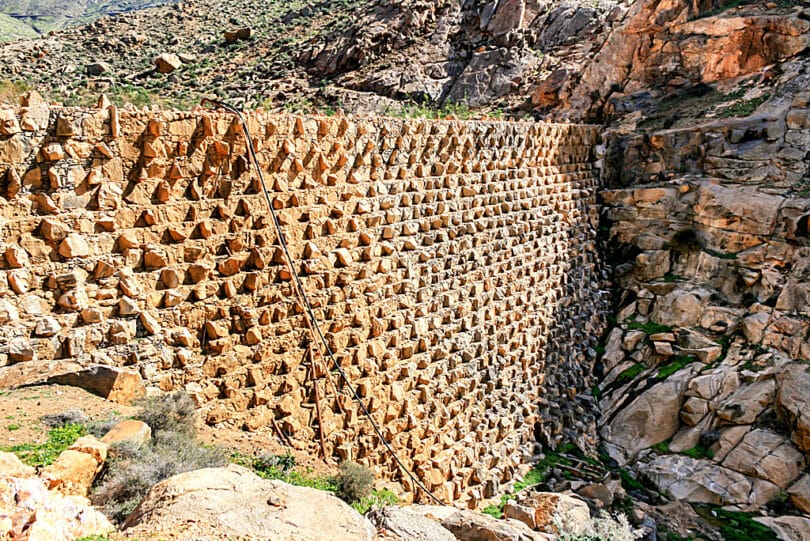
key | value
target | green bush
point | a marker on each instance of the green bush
(354, 482)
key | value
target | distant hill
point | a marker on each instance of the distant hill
(42, 16)
(11, 29)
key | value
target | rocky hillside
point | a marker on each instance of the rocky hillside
(355, 54)
(29, 18)
(662, 64)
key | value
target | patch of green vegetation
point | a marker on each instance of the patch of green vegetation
(648, 327)
(535, 476)
(629, 482)
(461, 111)
(631, 373)
(736, 526)
(282, 468)
(724, 342)
(378, 498)
(662, 447)
(43, 454)
(699, 452)
(12, 427)
(744, 108)
(666, 535)
(676, 363)
(753, 366)
(671, 277)
(596, 392)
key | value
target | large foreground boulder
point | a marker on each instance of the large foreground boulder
(236, 503)
(30, 512)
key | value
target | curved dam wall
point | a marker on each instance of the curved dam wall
(453, 267)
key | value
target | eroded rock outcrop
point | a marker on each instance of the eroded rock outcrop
(712, 276)
(233, 501)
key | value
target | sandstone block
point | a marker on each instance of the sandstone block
(167, 62)
(130, 430)
(11, 466)
(74, 245)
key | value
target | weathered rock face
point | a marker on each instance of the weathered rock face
(473, 526)
(406, 524)
(543, 511)
(658, 47)
(788, 528)
(453, 267)
(713, 274)
(30, 512)
(233, 501)
(649, 419)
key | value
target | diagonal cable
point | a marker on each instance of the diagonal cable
(302, 295)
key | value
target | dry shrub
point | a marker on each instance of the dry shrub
(135, 469)
(174, 412)
(354, 482)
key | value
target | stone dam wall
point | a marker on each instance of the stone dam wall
(453, 267)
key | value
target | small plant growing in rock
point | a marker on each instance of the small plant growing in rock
(354, 482)
(709, 437)
(599, 528)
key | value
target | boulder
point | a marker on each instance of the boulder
(28, 511)
(167, 62)
(73, 472)
(746, 403)
(680, 308)
(472, 526)
(613, 350)
(236, 502)
(701, 481)
(800, 494)
(115, 384)
(788, 528)
(766, 455)
(542, 510)
(98, 68)
(408, 525)
(130, 430)
(793, 402)
(649, 419)
(232, 36)
(12, 466)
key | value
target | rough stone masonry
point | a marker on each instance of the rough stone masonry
(453, 267)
